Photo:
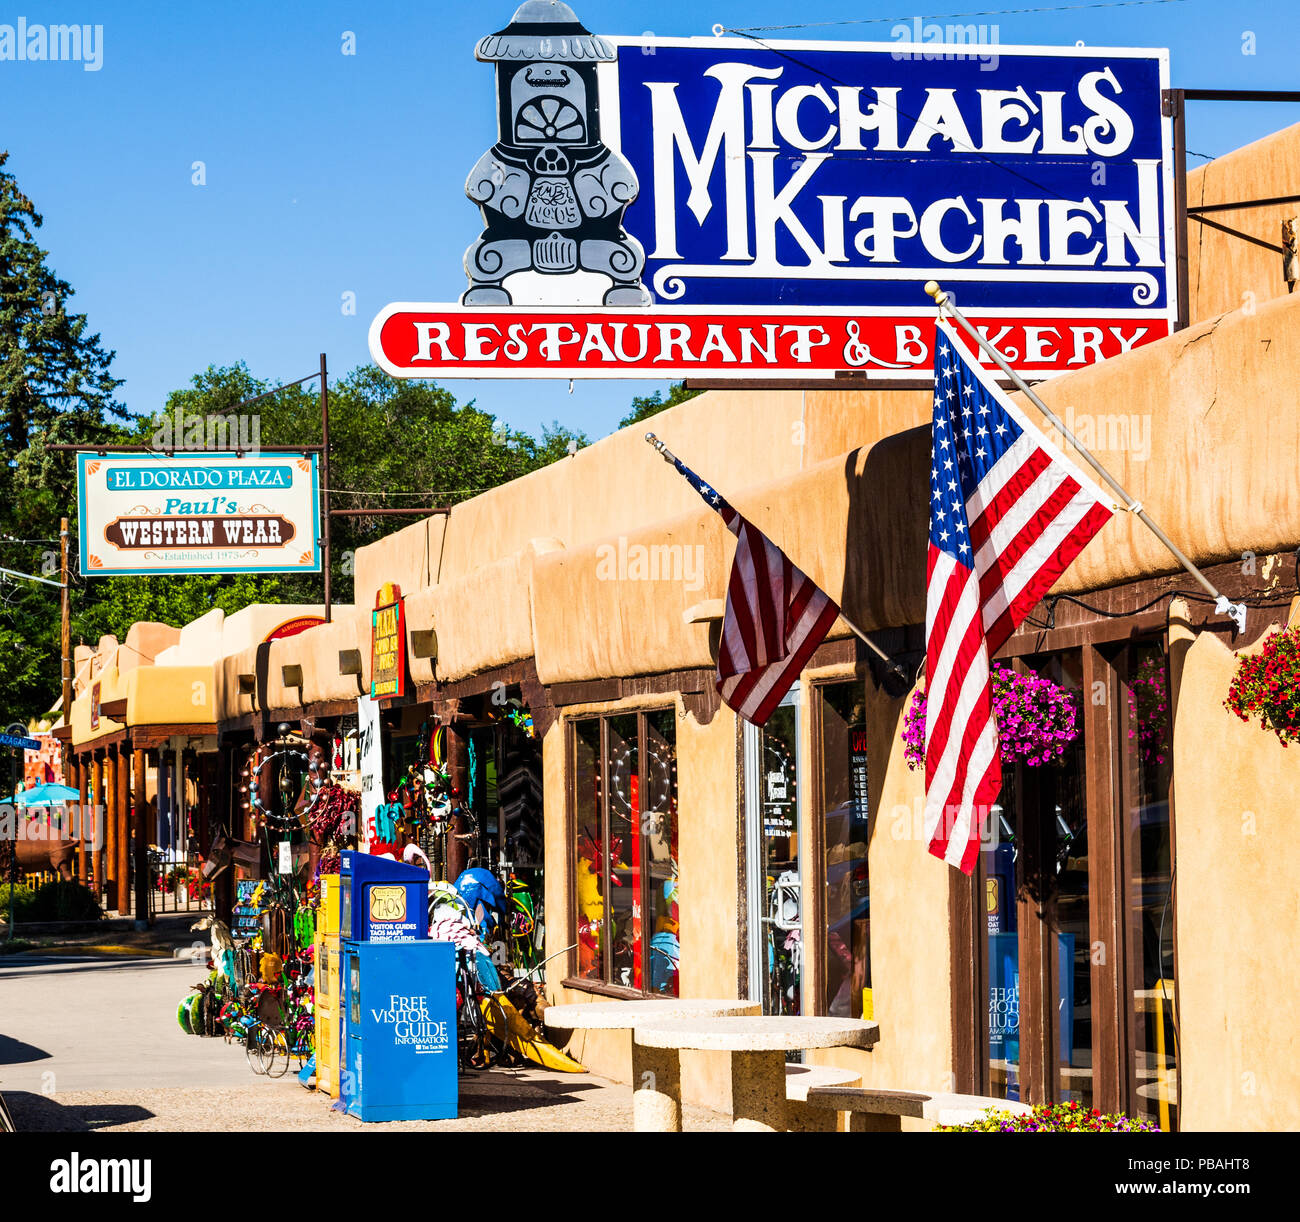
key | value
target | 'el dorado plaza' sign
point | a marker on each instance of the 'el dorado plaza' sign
(202, 512)
(722, 207)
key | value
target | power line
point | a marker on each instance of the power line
(994, 12)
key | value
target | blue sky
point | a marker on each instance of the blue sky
(330, 174)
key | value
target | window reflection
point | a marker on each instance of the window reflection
(845, 819)
(1151, 887)
(782, 915)
(625, 856)
(661, 850)
(588, 869)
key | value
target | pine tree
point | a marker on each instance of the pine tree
(55, 386)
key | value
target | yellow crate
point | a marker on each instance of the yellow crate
(327, 919)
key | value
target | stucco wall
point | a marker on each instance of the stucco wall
(737, 438)
(1223, 269)
(1237, 902)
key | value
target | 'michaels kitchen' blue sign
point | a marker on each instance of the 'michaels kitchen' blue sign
(778, 174)
(729, 207)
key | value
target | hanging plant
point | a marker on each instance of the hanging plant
(1148, 703)
(1267, 685)
(1036, 719)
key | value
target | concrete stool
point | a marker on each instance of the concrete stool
(800, 1115)
(872, 1110)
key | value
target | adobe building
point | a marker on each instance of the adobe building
(1124, 939)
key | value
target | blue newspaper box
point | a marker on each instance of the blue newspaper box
(399, 1030)
(382, 900)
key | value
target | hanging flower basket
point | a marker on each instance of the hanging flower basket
(1267, 686)
(1036, 719)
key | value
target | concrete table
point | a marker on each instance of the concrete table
(656, 1072)
(758, 1046)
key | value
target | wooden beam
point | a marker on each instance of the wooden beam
(97, 825)
(969, 998)
(123, 829)
(1102, 723)
(144, 738)
(138, 801)
(109, 855)
(83, 785)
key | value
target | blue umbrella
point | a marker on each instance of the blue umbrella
(47, 794)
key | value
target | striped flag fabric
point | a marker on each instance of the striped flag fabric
(775, 617)
(1008, 513)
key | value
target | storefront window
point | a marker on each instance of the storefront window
(589, 868)
(845, 823)
(781, 916)
(1150, 855)
(625, 794)
(624, 772)
(661, 849)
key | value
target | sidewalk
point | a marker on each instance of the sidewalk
(113, 936)
(524, 1100)
(89, 1042)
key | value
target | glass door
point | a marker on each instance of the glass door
(1034, 860)
(772, 808)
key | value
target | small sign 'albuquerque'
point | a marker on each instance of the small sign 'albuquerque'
(744, 208)
(388, 644)
(198, 512)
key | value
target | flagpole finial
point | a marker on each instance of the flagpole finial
(933, 289)
(664, 452)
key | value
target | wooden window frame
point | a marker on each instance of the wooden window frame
(816, 903)
(605, 986)
(1108, 760)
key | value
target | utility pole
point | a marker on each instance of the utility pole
(325, 481)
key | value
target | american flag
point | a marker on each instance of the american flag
(775, 616)
(1008, 513)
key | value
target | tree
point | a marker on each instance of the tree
(645, 406)
(55, 386)
(393, 443)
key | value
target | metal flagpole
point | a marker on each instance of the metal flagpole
(670, 457)
(1222, 605)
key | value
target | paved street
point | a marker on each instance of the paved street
(92, 1043)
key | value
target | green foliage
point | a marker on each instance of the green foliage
(64, 901)
(55, 386)
(645, 406)
(393, 444)
(23, 899)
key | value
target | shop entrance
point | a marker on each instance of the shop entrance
(773, 803)
(1075, 993)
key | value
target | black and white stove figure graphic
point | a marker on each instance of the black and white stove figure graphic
(551, 193)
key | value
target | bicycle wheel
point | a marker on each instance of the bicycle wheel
(277, 1057)
(257, 1047)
